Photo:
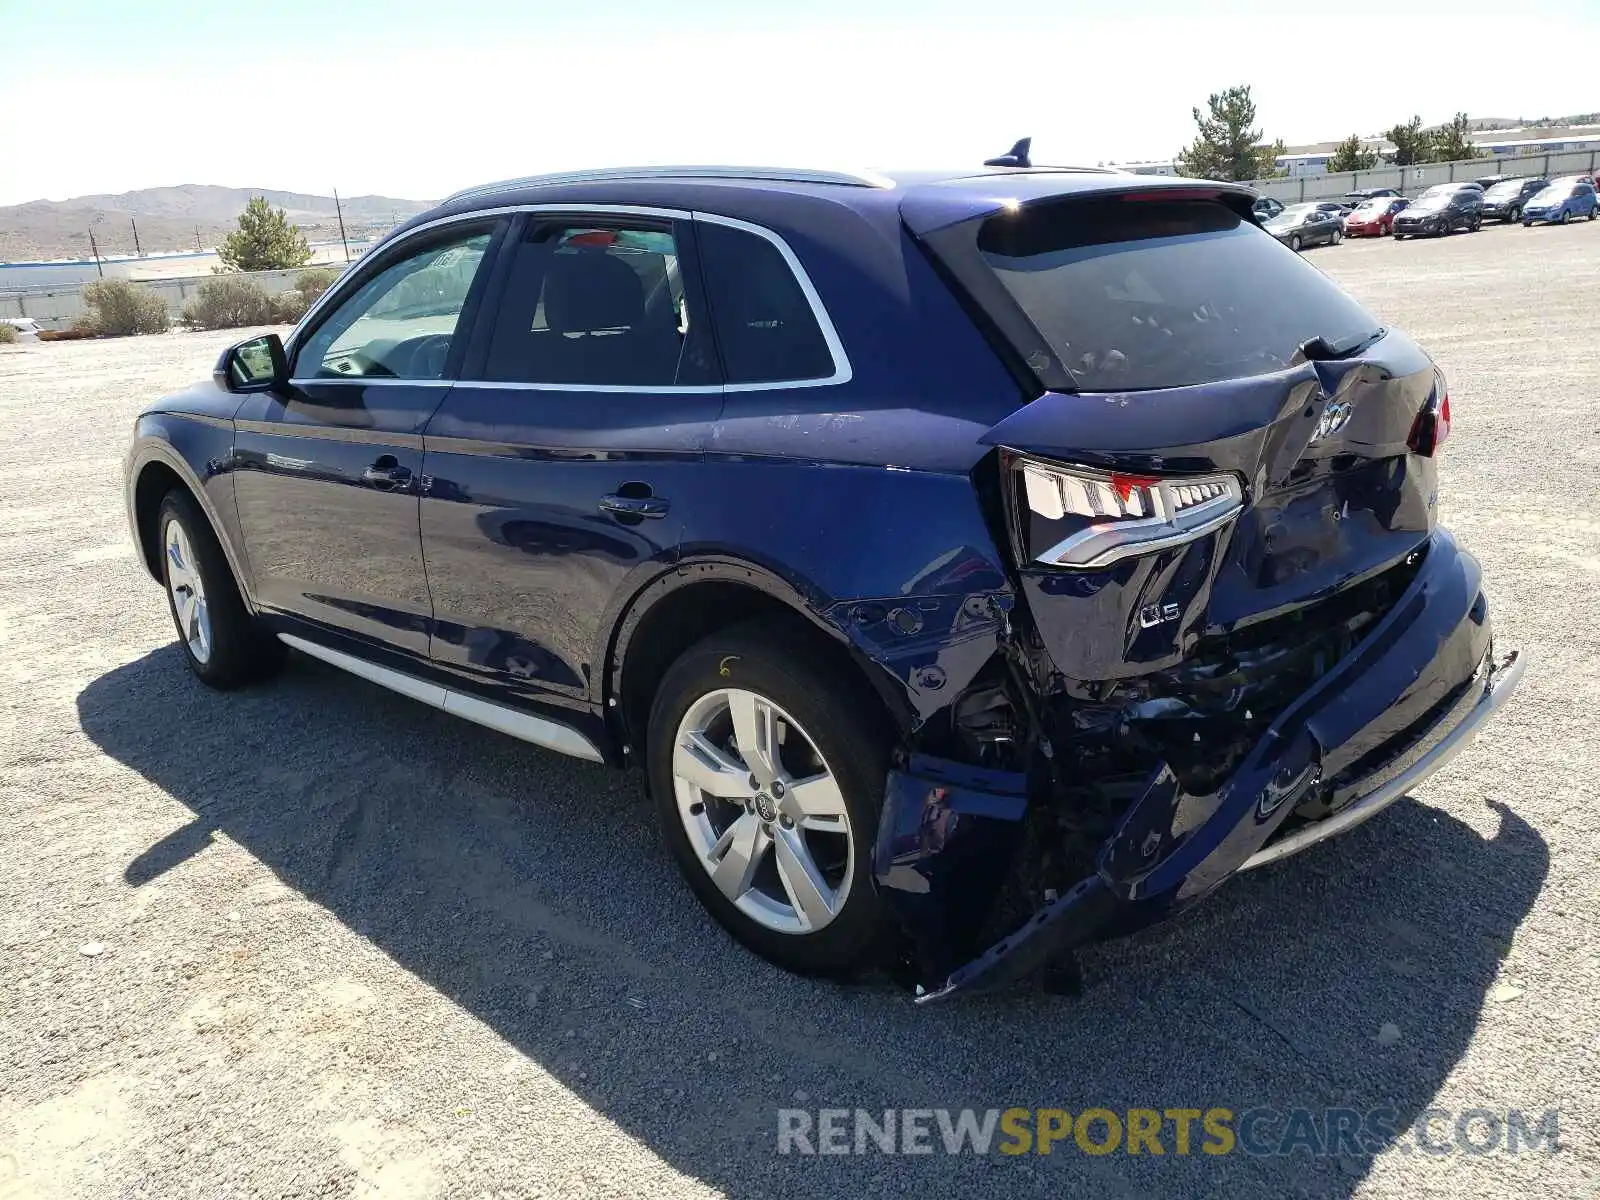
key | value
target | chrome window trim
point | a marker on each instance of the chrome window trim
(842, 370)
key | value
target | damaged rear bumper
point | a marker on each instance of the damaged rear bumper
(1401, 704)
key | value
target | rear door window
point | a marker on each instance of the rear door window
(592, 305)
(1131, 294)
(765, 326)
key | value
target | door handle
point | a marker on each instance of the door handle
(386, 473)
(634, 506)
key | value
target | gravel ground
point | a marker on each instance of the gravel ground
(313, 939)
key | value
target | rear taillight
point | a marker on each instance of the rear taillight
(1083, 519)
(1432, 426)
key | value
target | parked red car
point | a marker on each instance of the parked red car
(1375, 218)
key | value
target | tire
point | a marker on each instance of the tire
(1566, 216)
(1514, 216)
(1477, 224)
(1338, 236)
(224, 646)
(829, 728)
(1294, 243)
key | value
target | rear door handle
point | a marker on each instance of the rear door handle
(634, 506)
(386, 473)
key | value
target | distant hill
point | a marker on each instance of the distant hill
(177, 218)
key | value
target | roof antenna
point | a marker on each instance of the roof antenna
(1017, 157)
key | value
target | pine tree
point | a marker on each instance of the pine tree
(1352, 155)
(264, 241)
(1411, 145)
(1228, 147)
(1451, 142)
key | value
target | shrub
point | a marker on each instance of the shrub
(8, 334)
(227, 303)
(311, 284)
(118, 308)
(289, 307)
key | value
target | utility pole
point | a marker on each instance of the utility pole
(137, 249)
(95, 250)
(339, 208)
(197, 244)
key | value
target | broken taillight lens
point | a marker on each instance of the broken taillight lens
(1084, 519)
(1432, 426)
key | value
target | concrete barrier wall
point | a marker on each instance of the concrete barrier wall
(58, 307)
(1411, 181)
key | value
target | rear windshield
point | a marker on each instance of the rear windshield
(1134, 294)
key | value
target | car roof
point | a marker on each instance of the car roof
(928, 199)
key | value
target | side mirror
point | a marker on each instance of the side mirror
(256, 365)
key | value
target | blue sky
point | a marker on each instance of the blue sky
(416, 100)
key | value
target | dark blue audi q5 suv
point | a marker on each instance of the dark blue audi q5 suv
(977, 563)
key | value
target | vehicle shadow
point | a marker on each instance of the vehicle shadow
(533, 891)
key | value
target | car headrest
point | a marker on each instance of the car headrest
(590, 289)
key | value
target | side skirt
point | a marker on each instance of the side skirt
(541, 731)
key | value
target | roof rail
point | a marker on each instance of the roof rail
(769, 174)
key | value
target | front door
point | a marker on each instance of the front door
(328, 471)
(555, 468)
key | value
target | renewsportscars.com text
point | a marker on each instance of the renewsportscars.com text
(1261, 1132)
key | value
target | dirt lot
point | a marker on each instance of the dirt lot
(313, 939)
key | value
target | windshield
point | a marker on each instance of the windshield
(1293, 215)
(1502, 191)
(1554, 194)
(1374, 208)
(1162, 293)
(1430, 202)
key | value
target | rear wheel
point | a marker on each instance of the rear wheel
(767, 771)
(221, 641)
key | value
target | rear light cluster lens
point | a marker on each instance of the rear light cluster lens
(1083, 519)
(1432, 426)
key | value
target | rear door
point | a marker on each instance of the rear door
(555, 469)
(328, 471)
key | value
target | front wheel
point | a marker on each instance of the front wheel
(221, 641)
(767, 771)
(1338, 236)
(1294, 243)
(1566, 216)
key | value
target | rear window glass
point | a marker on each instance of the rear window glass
(765, 326)
(1139, 294)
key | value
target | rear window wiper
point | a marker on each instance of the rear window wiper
(1320, 349)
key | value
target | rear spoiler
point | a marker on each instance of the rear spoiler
(928, 208)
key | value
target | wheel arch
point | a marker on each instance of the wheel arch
(156, 470)
(696, 599)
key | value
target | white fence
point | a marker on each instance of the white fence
(57, 307)
(1411, 180)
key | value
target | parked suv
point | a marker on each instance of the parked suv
(1506, 199)
(975, 564)
(1442, 209)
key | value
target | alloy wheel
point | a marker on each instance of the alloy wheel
(188, 593)
(763, 812)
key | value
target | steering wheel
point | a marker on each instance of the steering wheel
(425, 356)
